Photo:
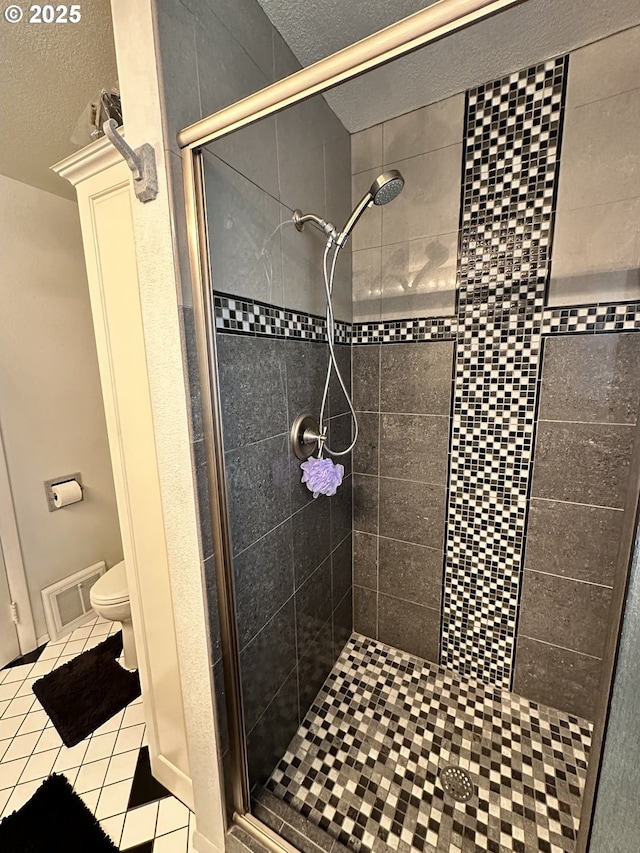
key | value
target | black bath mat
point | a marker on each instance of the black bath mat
(86, 692)
(54, 820)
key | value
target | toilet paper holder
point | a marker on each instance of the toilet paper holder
(49, 484)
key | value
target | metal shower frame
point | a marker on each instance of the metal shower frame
(399, 39)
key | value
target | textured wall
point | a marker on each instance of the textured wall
(52, 412)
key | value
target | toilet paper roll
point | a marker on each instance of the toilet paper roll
(69, 492)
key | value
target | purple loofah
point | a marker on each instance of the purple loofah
(322, 476)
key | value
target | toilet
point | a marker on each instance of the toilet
(110, 599)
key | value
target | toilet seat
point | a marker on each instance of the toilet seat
(111, 588)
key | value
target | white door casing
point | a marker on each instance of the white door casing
(105, 195)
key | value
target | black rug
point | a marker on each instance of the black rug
(54, 820)
(86, 692)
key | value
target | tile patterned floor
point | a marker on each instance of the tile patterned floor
(364, 763)
(109, 769)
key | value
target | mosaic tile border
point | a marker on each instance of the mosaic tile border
(250, 317)
(234, 314)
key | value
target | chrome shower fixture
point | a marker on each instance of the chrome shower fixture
(384, 189)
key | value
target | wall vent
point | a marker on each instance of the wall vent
(67, 604)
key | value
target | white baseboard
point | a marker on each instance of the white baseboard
(203, 845)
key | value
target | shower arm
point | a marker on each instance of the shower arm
(300, 219)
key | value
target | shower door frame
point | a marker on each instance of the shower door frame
(399, 39)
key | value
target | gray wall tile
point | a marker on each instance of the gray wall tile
(313, 606)
(418, 277)
(596, 254)
(369, 230)
(409, 626)
(339, 435)
(306, 372)
(583, 463)
(276, 643)
(315, 666)
(366, 265)
(411, 572)
(366, 149)
(365, 453)
(366, 378)
(365, 560)
(593, 378)
(311, 528)
(263, 580)
(365, 611)
(565, 612)
(241, 215)
(606, 67)
(574, 541)
(252, 377)
(416, 378)
(600, 152)
(412, 512)
(341, 507)
(341, 571)
(269, 739)
(435, 126)
(365, 503)
(258, 488)
(562, 679)
(430, 201)
(342, 623)
(414, 447)
(337, 401)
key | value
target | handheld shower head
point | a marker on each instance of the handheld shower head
(384, 189)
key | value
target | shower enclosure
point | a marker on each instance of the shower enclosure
(421, 659)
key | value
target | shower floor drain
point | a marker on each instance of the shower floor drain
(457, 783)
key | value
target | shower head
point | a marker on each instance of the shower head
(384, 189)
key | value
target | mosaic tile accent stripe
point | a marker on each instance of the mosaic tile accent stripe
(405, 331)
(622, 317)
(512, 139)
(245, 316)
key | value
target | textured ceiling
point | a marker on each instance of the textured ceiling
(523, 35)
(50, 72)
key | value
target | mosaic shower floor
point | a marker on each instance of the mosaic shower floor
(364, 764)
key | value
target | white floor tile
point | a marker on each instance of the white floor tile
(17, 673)
(49, 739)
(4, 797)
(100, 747)
(9, 727)
(8, 691)
(82, 633)
(22, 745)
(101, 630)
(62, 660)
(3, 674)
(113, 827)
(20, 795)
(74, 647)
(121, 766)
(111, 725)
(172, 815)
(4, 704)
(90, 799)
(39, 766)
(26, 688)
(174, 842)
(139, 825)
(4, 746)
(130, 738)
(91, 776)
(92, 642)
(133, 716)
(50, 651)
(11, 771)
(70, 757)
(42, 667)
(19, 705)
(113, 799)
(34, 721)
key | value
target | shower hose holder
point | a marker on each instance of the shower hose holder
(304, 435)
